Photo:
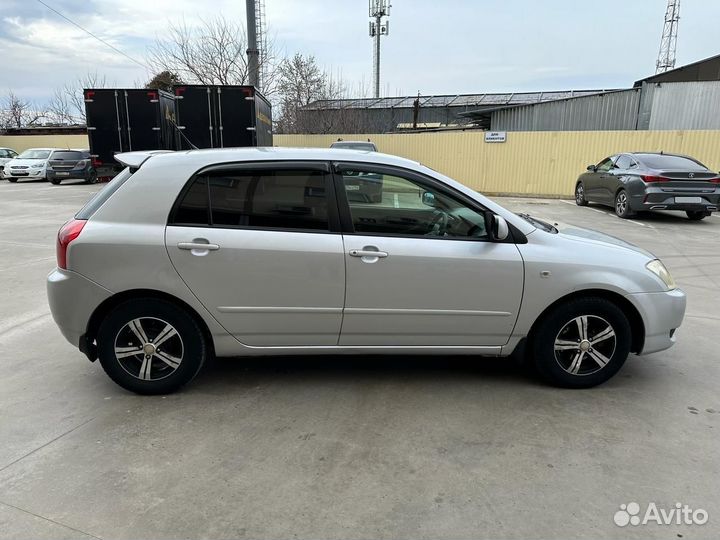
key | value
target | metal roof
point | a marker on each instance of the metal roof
(707, 69)
(449, 100)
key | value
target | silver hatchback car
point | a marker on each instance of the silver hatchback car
(276, 251)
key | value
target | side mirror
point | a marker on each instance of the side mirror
(591, 168)
(428, 199)
(500, 229)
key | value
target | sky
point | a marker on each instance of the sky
(434, 47)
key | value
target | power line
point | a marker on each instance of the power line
(101, 40)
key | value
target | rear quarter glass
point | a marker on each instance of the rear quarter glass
(104, 194)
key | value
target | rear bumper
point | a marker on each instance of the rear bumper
(73, 298)
(662, 315)
(69, 175)
(656, 199)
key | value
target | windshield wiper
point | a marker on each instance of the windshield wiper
(538, 223)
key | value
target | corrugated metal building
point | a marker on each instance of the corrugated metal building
(382, 115)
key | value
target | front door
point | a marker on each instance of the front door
(595, 185)
(421, 269)
(255, 243)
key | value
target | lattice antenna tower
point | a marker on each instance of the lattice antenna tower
(668, 43)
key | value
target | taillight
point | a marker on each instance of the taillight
(67, 233)
(650, 179)
(715, 180)
(96, 162)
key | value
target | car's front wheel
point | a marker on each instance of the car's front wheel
(622, 205)
(13, 180)
(55, 181)
(696, 215)
(581, 343)
(580, 199)
(151, 346)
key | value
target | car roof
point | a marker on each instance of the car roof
(207, 157)
(353, 142)
(49, 149)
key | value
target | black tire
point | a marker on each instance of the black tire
(569, 368)
(13, 180)
(580, 199)
(622, 205)
(696, 215)
(188, 345)
(93, 179)
(55, 181)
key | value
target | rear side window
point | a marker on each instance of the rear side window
(104, 194)
(624, 162)
(264, 199)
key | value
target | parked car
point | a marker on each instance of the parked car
(6, 154)
(71, 165)
(638, 181)
(31, 164)
(258, 251)
(365, 146)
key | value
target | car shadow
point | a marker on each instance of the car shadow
(221, 373)
(658, 216)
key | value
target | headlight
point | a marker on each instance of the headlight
(658, 268)
(39, 166)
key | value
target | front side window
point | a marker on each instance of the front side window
(392, 205)
(265, 199)
(606, 164)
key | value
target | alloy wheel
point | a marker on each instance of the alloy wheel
(580, 194)
(585, 345)
(149, 348)
(621, 203)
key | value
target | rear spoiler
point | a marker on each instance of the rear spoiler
(135, 159)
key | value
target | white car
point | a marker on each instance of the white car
(6, 154)
(29, 165)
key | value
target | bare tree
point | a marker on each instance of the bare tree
(17, 112)
(212, 53)
(67, 105)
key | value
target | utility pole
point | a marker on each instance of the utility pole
(378, 10)
(668, 42)
(252, 50)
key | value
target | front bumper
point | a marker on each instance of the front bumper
(662, 314)
(27, 176)
(73, 298)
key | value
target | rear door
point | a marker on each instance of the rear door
(236, 116)
(143, 119)
(194, 110)
(421, 269)
(259, 245)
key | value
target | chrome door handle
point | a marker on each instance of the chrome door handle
(368, 253)
(198, 245)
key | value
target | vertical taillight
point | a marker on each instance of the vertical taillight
(67, 233)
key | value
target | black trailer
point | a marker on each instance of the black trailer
(222, 117)
(123, 120)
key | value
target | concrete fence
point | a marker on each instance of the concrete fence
(529, 163)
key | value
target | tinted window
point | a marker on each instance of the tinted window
(104, 194)
(656, 161)
(624, 162)
(4, 153)
(194, 208)
(71, 156)
(388, 204)
(284, 199)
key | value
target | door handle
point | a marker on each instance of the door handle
(368, 253)
(201, 246)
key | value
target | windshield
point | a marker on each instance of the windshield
(69, 155)
(34, 154)
(540, 224)
(355, 146)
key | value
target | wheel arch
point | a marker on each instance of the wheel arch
(637, 326)
(87, 341)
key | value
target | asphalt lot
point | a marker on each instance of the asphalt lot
(352, 448)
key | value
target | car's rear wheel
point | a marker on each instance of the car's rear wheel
(93, 179)
(55, 181)
(151, 346)
(581, 343)
(13, 180)
(622, 205)
(696, 215)
(580, 199)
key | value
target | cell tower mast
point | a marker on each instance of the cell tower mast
(378, 10)
(257, 42)
(668, 43)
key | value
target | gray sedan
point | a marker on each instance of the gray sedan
(640, 181)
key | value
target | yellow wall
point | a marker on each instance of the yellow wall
(529, 163)
(23, 142)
